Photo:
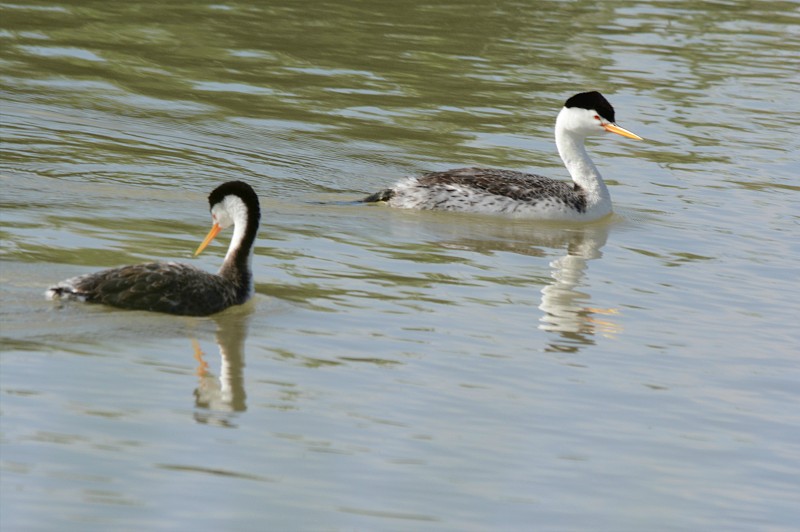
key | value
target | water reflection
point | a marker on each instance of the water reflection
(217, 397)
(566, 309)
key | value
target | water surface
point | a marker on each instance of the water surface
(402, 370)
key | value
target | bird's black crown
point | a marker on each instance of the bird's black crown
(235, 188)
(592, 101)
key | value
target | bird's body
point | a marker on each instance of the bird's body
(156, 286)
(177, 288)
(489, 190)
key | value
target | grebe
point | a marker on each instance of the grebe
(490, 190)
(177, 288)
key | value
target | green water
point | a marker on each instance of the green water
(402, 370)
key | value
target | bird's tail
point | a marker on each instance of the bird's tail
(56, 292)
(62, 291)
(383, 195)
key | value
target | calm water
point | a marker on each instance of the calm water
(403, 370)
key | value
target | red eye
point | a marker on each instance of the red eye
(596, 117)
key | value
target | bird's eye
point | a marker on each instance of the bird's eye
(596, 117)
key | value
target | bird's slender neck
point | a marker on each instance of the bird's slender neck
(237, 266)
(584, 173)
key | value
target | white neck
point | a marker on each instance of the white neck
(584, 173)
(234, 211)
(236, 239)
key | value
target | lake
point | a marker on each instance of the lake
(402, 370)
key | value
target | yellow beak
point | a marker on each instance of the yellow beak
(614, 128)
(215, 229)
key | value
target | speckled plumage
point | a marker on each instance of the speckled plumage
(169, 287)
(485, 190)
(176, 288)
(508, 192)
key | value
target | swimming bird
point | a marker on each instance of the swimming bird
(177, 288)
(523, 195)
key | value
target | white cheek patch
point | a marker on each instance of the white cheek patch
(221, 213)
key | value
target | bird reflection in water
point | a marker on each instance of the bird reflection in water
(217, 399)
(567, 310)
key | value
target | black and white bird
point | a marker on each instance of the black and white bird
(523, 195)
(177, 288)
